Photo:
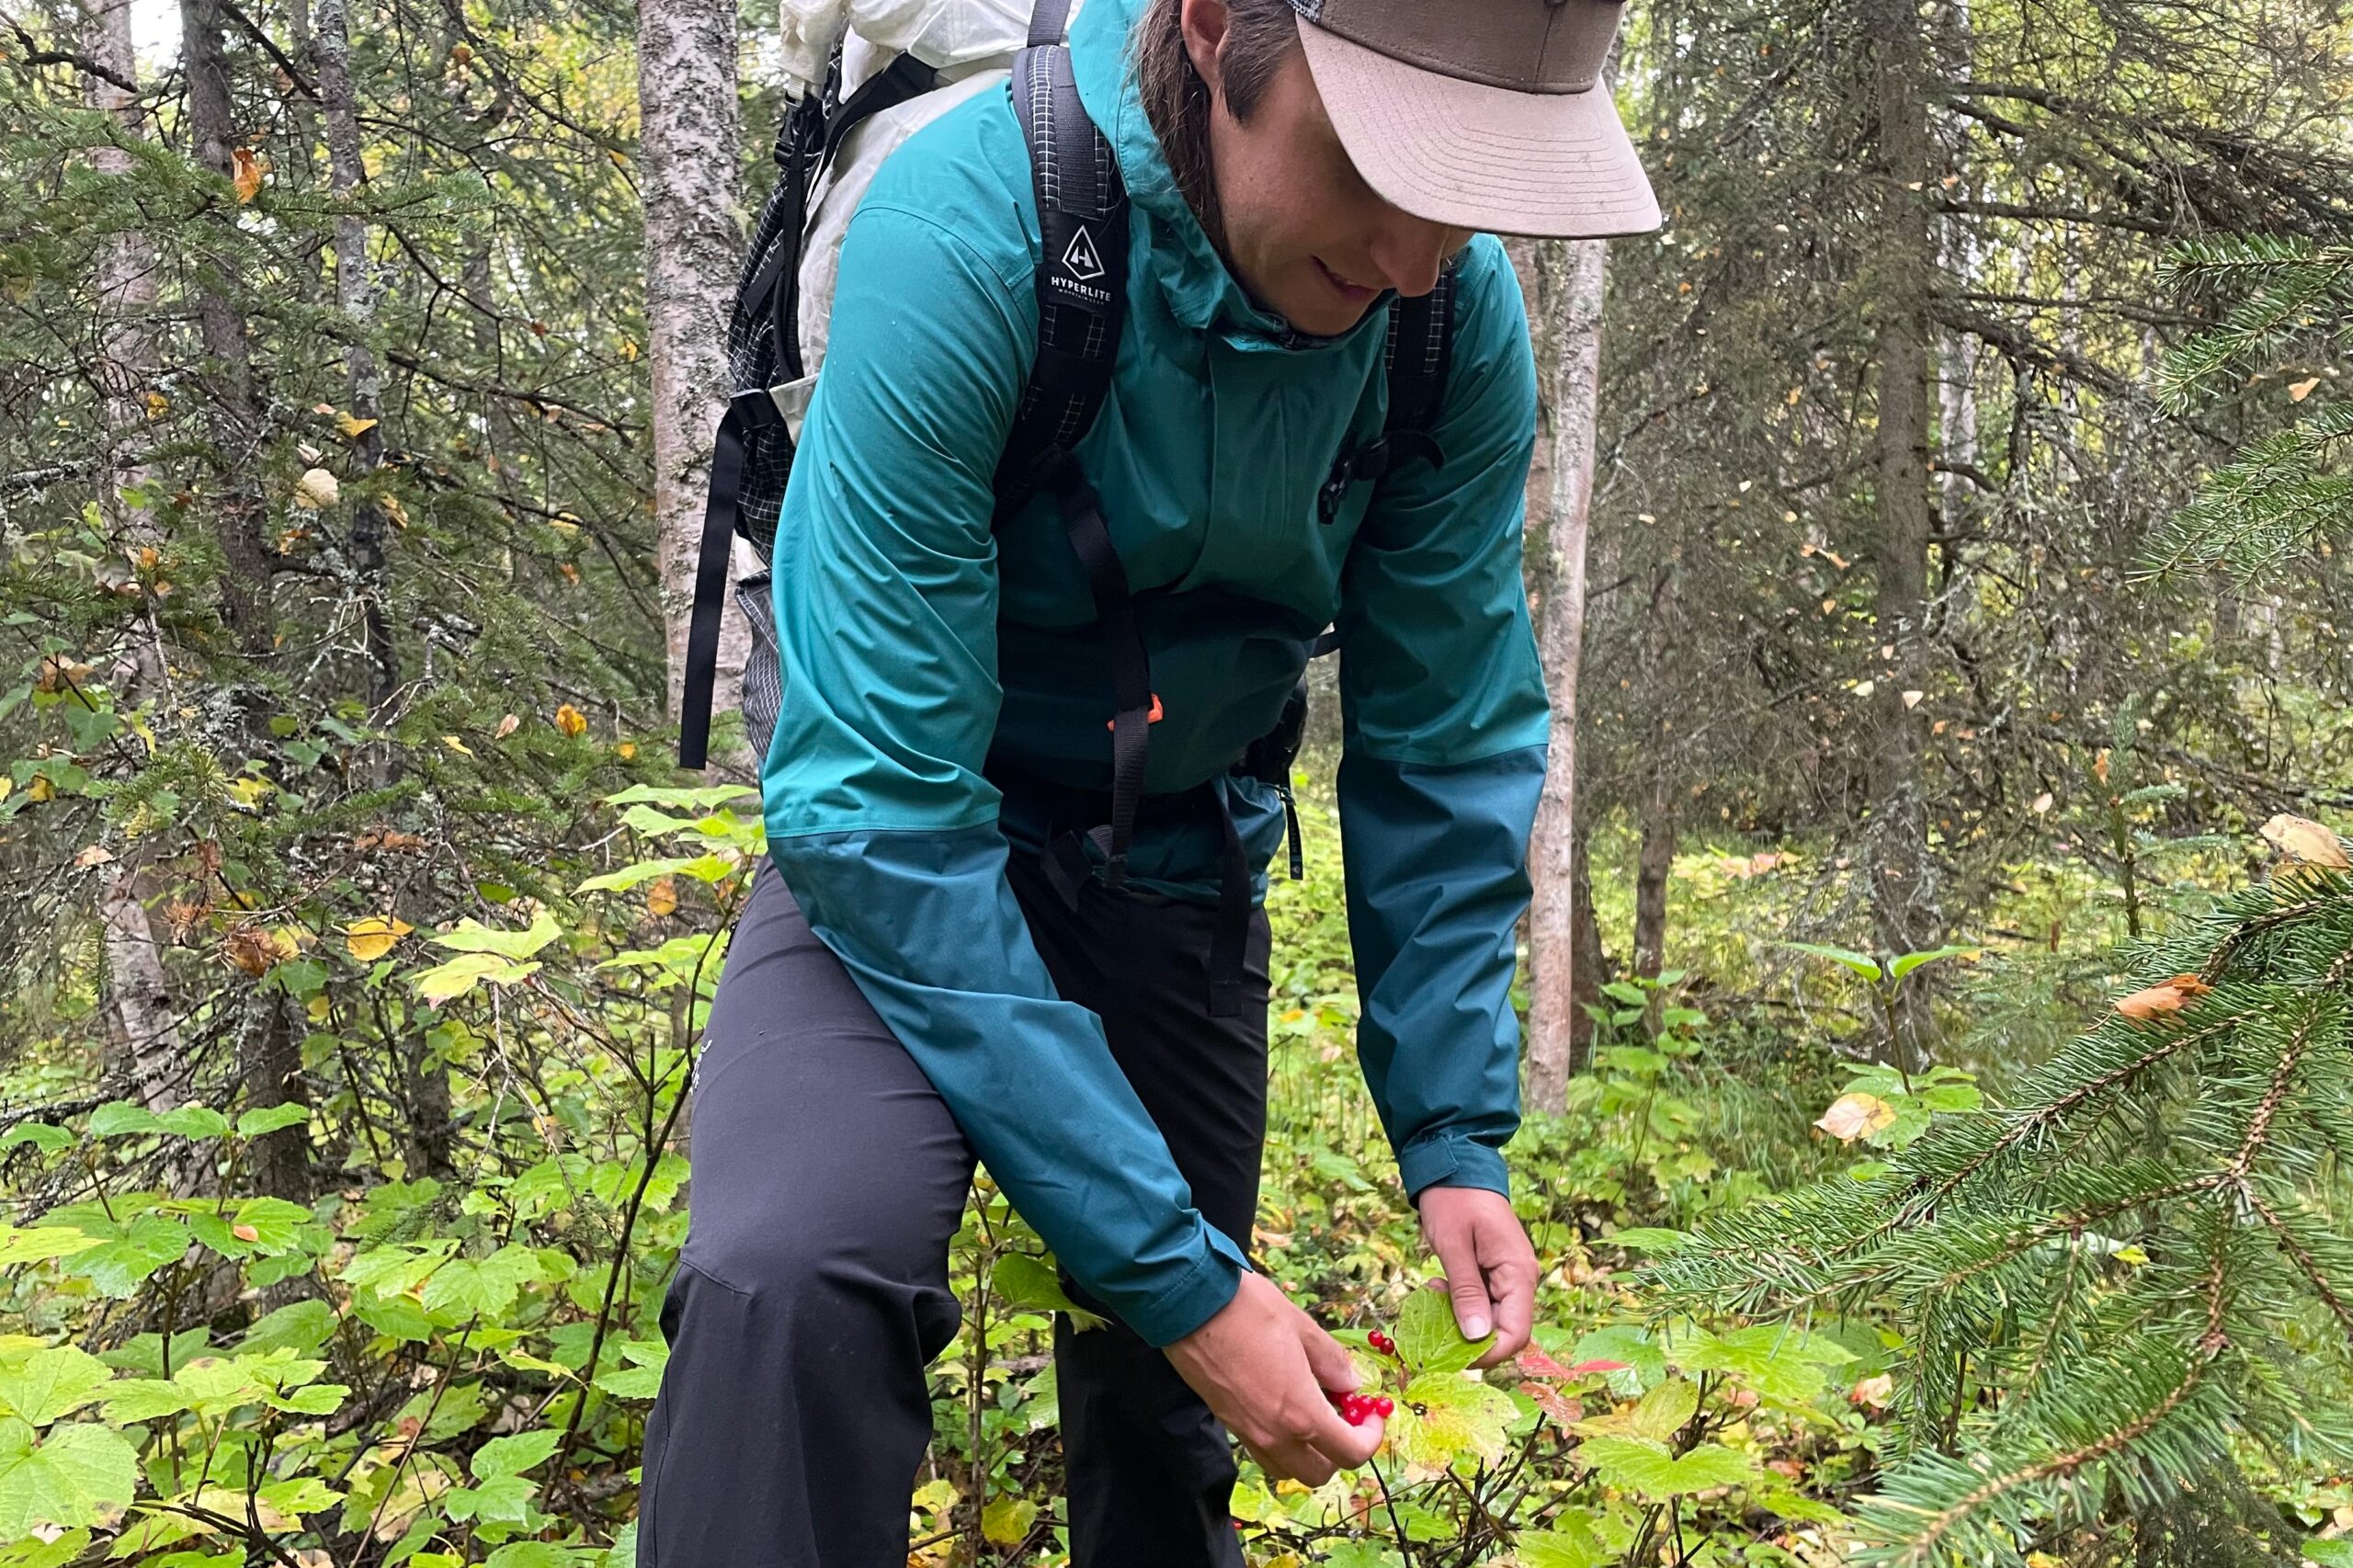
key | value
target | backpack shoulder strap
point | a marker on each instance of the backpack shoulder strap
(1421, 349)
(1082, 262)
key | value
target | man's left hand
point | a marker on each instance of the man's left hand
(1490, 1266)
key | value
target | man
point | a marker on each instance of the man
(944, 961)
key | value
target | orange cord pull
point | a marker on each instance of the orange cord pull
(1152, 718)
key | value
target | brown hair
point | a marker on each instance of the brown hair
(1259, 36)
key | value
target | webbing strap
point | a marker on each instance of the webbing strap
(1106, 584)
(744, 412)
(1229, 938)
(1048, 20)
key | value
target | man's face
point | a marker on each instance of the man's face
(1304, 234)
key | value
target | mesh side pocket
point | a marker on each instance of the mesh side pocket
(764, 668)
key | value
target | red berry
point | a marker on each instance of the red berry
(1384, 1406)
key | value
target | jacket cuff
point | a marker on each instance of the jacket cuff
(1451, 1162)
(1195, 1298)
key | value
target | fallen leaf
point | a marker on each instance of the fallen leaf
(245, 1233)
(2042, 803)
(454, 743)
(372, 937)
(506, 727)
(354, 427)
(245, 172)
(2301, 838)
(96, 855)
(316, 489)
(1856, 1115)
(626, 750)
(2165, 996)
(394, 510)
(571, 721)
(2302, 390)
(1912, 699)
(1874, 1393)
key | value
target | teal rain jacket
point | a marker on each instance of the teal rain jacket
(916, 637)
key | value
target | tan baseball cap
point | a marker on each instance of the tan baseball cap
(1481, 114)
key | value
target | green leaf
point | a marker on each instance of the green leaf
(253, 1123)
(49, 1139)
(1429, 1340)
(300, 1326)
(1633, 1465)
(144, 1399)
(42, 1242)
(1568, 1544)
(67, 1479)
(1863, 966)
(1007, 1521)
(514, 1455)
(1645, 1362)
(1648, 1238)
(34, 1552)
(50, 1383)
(193, 1122)
(1785, 1364)
(472, 936)
(1023, 1279)
(446, 983)
(702, 799)
(1446, 1416)
(117, 1117)
(1626, 991)
(1665, 1408)
(703, 868)
(1905, 963)
(487, 1286)
(643, 1378)
(2338, 1553)
(531, 1554)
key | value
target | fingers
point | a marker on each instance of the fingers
(1511, 1286)
(1465, 1283)
(1334, 1367)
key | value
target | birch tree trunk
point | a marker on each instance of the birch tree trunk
(1903, 895)
(143, 1031)
(1564, 280)
(685, 73)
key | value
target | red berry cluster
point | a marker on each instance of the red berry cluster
(1355, 1407)
(1381, 1343)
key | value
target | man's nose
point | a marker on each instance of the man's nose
(1410, 251)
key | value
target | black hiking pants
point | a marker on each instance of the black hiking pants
(829, 1179)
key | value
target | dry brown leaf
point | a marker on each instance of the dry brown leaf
(245, 1233)
(660, 897)
(506, 727)
(1856, 1115)
(250, 948)
(1874, 1393)
(246, 173)
(2299, 391)
(2301, 838)
(316, 489)
(2042, 803)
(96, 855)
(2165, 996)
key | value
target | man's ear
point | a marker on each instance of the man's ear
(1205, 23)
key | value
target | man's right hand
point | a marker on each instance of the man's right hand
(1262, 1365)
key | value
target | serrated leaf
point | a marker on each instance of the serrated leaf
(51, 1383)
(515, 1454)
(121, 1261)
(42, 1242)
(144, 1399)
(1634, 1465)
(446, 983)
(472, 936)
(116, 1117)
(47, 1139)
(1445, 1417)
(300, 1326)
(1429, 1340)
(487, 1286)
(1573, 1545)
(1665, 1408)
(1007, 1521)
(67, 1479)
(193, 1122)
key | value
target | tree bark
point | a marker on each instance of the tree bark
(1654, 860)
(687, 74)
(269, 1069)
(1564, 280)
(1903, 893)
(1589, 962)
(233, 411)
(143, 1036)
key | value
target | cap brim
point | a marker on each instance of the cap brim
(1557, 166)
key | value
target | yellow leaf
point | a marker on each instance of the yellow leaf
(352, 427)
(454, 743)
(394, 510)
(249, 791)
(2301, 838)
(660, 897)
(42, 789)
(566, 524)
(157, 405)
(371, 938)
(320, 1008)
(2303, 389)
(571, 721)
(245, 172)
(626, 750)
(1856, 1115)
(316, 489)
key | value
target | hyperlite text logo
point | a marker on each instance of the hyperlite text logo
(1082, 266)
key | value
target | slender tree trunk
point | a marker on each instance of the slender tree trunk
(1903, 895)
(269, 1070)
(1589, 963)
(686, 64)
(143, 1025)
(1564, 280)
(355, 294)
(233, 410)
(1655, 861)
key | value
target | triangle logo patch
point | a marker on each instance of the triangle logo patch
(1080, 259)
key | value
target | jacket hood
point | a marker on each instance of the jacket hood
(1202, 294)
